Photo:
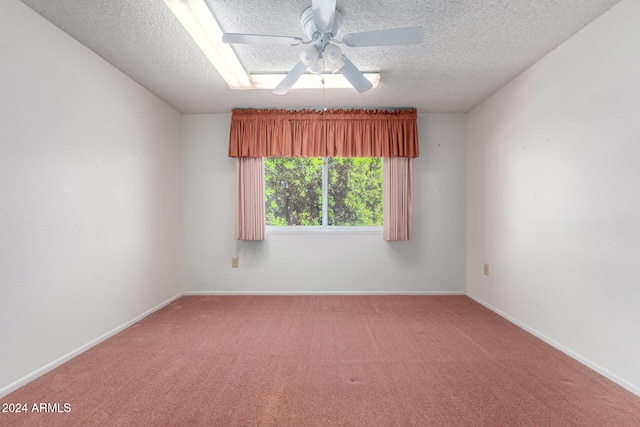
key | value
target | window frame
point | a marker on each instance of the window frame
(325, 228)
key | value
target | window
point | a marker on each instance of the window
(323, 193)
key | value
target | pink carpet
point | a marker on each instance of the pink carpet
(324, 361)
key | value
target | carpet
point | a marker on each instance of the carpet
(323, 361)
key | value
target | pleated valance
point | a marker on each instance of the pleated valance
(329, 133)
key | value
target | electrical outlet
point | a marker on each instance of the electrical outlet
(486, 269)
(234, 262)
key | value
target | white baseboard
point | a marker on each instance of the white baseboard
(599, 369)
(319, 293)
(50, 366)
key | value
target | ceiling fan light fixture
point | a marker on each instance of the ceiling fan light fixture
(316, 66)
(311, 59)
(196, 18)
(333, 57)
(307, 55)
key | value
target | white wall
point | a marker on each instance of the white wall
(89, 197)
(553, 184)
(432, 262)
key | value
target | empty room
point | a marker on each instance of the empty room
(319, 213)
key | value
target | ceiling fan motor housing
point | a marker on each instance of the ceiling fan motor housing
(309, 28)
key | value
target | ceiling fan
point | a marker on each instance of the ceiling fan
(321, 22)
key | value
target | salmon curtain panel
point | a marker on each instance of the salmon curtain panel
(392, 135)
(397, 198)
(250, 221)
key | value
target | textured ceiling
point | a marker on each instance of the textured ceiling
(471, 48)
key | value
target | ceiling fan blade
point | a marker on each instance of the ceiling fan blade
(290, 79)
(323, 13)
(355, 77)
(396, 36)
(260, 39)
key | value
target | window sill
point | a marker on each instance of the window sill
(299, 229)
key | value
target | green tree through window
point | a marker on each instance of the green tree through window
(294, 189)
